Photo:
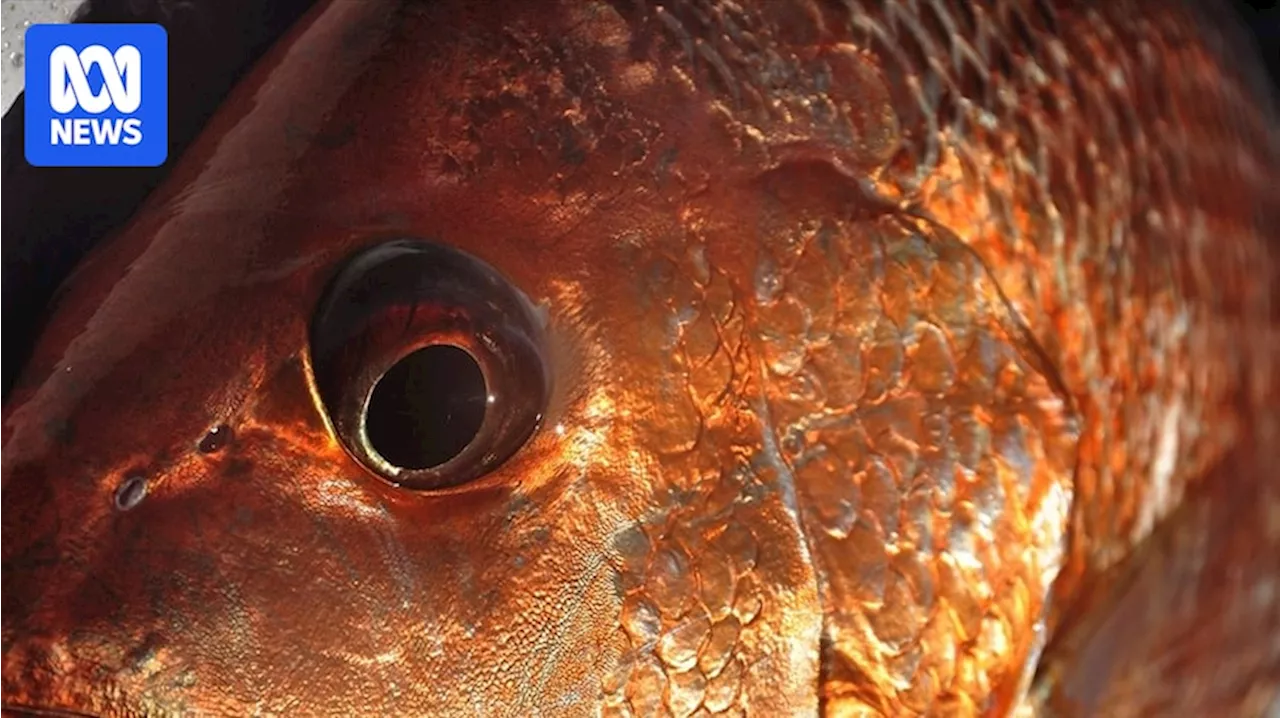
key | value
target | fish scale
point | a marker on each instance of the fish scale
(990, 149)
(1099, 147)
(1043, 151)
(898, 637)
(905, 358)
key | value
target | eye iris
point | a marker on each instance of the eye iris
(429, 363)
(427, 408)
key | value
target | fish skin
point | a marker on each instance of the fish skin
(56, 215)
(1186, 623)
(882, 336)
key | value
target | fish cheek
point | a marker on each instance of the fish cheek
(933, 452)
(718, 601)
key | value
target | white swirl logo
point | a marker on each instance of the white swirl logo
(69, 79)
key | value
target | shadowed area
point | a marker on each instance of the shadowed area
(53, 215)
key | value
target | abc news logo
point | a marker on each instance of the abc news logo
(121, 88)
(96, 95)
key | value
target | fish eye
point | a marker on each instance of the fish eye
(429, 363)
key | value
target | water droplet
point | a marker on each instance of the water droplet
(131, 492)
(15, 59)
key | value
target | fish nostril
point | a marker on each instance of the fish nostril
(218, 437)
(146, 655)
(131, 492)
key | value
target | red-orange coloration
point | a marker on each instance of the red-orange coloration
(904, 358)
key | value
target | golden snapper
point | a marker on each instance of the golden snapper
(864, 358)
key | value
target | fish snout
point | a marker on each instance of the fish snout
(41, 677)
(72, 639)
(126, 573)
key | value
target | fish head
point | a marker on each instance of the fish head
(501, 363)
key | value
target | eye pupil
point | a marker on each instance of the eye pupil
(427, 407)
(409, 341)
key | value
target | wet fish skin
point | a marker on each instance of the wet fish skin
(56, 215)
(881, 334)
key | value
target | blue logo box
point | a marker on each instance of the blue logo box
(97, 95)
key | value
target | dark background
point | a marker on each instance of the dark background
(1263, 21)
(52, 216)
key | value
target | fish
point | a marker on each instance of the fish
(697, 358)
